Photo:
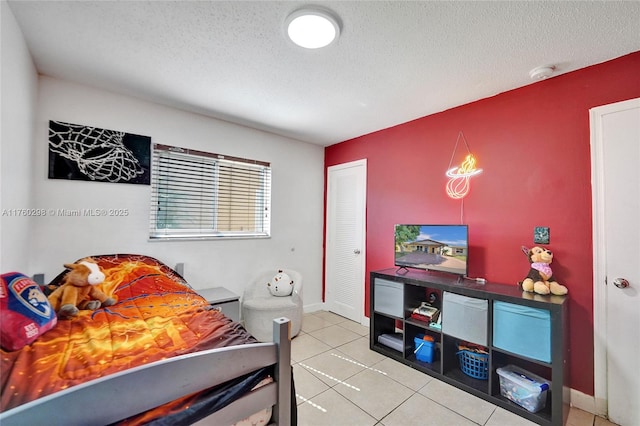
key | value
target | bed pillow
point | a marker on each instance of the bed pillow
(26, 312)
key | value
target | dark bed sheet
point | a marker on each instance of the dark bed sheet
(157, 316)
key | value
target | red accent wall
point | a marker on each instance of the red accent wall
(534, 146)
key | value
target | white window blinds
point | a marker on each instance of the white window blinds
(201, 195)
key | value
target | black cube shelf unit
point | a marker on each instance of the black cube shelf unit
(403, 290)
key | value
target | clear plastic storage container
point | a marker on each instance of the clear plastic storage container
(524, 388)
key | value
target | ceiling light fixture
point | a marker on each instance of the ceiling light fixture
(540, 73)
(312, 28)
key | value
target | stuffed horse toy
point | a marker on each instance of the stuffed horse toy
(79, 291)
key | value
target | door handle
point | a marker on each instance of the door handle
(621, 283)
(356, 251)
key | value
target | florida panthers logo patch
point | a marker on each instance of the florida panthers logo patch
(30, 296)
(26, 311)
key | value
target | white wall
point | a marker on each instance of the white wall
(17, 103)
(297, 194)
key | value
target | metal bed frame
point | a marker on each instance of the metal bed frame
(118, 396)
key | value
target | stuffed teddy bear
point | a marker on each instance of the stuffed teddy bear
(280, 285)
(78, 290)
(540, 279)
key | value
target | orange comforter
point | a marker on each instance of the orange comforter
(156, 316)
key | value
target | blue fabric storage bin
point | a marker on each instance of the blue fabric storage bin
(522, 330)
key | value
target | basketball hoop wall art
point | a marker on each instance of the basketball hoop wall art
(78, 152)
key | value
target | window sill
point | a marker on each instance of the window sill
(209, 238)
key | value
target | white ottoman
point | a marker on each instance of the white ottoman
(260, 307)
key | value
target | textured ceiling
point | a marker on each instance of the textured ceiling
(395, 60)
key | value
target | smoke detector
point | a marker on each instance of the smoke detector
(540, 73)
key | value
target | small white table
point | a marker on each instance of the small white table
(222, 299)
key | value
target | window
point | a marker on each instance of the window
(199, 195)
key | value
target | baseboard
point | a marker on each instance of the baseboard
(365, 321)
(586, 403)
(314, 307)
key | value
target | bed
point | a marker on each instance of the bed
(160, 355)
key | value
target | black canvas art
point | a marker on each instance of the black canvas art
(80, 152)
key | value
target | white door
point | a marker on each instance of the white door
(616, 186)
(345, 239)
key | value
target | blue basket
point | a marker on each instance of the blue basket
(474, 364)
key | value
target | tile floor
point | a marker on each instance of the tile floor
(340, 381)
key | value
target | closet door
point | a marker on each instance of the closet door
(345, 239)
(616, 182)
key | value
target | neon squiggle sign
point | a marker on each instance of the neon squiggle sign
(458, 185)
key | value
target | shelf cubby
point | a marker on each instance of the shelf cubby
(412, 287)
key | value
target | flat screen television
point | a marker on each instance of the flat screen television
(441, 248)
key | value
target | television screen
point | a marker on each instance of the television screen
(432, 247)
